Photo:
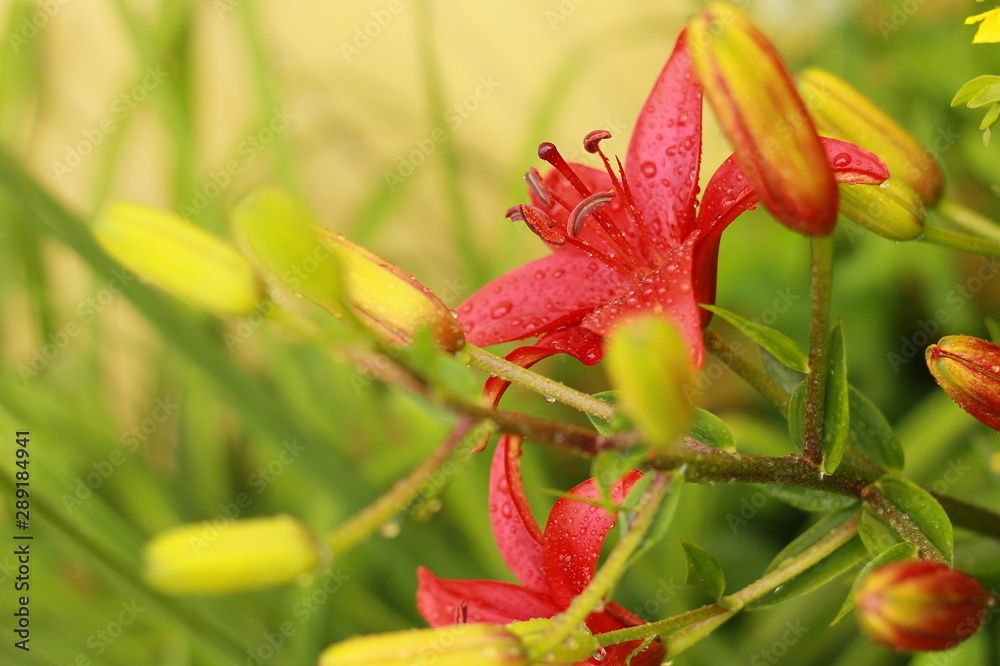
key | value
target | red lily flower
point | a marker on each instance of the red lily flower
(627, 240)
(553, 565)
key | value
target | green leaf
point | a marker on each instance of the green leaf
(871, 434)
(875, 533)
(901, 551)
(978, 92)
(842, 560)
(782, 375)
(709, 429)
(808, 499)
(782, 347)
(836, 421)
(925, 511)
(702, 570)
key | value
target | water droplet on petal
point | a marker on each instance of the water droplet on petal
(558, 273)
(841, 160)
(501, 309)
(648, 169)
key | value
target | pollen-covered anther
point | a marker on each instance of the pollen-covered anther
(543, 225)
(587, 206)
(514, 214)
(591, 140)
(537, 186)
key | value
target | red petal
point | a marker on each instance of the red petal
(669, 292)
(728, 195)
(583, 345)
(538, 297)
(514, 527)
(664, 154)
(574, 535)
(486, 600)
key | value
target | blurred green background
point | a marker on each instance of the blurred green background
(407, 125)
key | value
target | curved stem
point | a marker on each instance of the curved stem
(958, 240)
(820, 280)
(698, 623)
(967, 219)
(501, 367)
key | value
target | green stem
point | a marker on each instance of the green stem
(415, 485)
(958, 240)
(501, 367)
(751, 374)
(901, 523)
(820, 281)
(609, 573)
(700, 622)
(968, 219)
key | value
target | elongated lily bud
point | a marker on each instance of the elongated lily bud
(894, 211)
(919, 606)
(762, 115)
(841, 112)
(336, 274)
(968, 369)
(219, 557)
(181, 258)
(456, 645)
(648, 364)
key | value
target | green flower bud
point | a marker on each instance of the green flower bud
(893, 211)
(842, 112)
(179, 257)
(214, 558)
(456, 645)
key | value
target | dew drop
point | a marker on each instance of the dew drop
(539, 275)
(648, 169)
(600, 655)
(558, 273)
(501, 309)
(841, 160)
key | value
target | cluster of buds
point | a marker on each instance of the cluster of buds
(920, 606)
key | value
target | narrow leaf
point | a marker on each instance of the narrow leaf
(875, 533)
(664, 517)
(871, 434)
(802, 542)
(779, 345)
(925, 511)
(842, 560)
(783, 376)
(836, 421)
(702, 570)
(808, 499)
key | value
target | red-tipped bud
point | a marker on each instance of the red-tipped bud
(968, 369)
(919, 606)
(765, 120)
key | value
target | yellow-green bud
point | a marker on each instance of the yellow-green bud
(179, 257)
(331, 271)
(456, 645)
(968, 369)
(894, 211)
(215, 558)
(648, 364)
(841, 112)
